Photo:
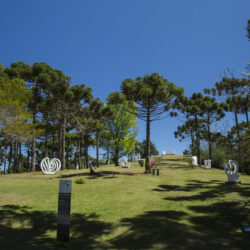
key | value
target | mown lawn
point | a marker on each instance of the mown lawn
(183, 208)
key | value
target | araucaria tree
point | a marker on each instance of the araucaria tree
(154, 96)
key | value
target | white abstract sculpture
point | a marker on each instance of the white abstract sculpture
(194, 160)
(50, 167)
(124, 163)
(231, 168)
(207, 164)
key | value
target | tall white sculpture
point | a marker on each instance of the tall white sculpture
(194, 160)
(231, 168)
(207, 164)
(50, 167)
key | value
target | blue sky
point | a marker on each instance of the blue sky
(102, 42)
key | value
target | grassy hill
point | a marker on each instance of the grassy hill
(183, 208)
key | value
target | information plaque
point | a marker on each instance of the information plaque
(63, 221)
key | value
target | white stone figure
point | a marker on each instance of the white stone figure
(123, 161)
(207, 164)
(50, 167)
(77, 166)
(231, 168)
(194, 160)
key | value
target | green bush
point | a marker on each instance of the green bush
(80, 181)
(141, 162)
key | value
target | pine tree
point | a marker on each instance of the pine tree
(154, 96)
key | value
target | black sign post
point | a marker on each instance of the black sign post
(63, 221)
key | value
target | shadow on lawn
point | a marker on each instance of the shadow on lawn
(157, 230)
(206, 190)
(98, 174)
(219, 224)
(21, 228)
(218, 228)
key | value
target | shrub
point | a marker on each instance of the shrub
(80, 181)
(141, 162)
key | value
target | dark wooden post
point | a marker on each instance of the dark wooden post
(63, 221)
(158, 171)
(153, 171)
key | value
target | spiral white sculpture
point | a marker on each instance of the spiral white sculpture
(231, 168)
(50, 167)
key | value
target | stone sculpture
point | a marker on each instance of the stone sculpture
(194, 160)
(124, 163)
(207, 164)
(50, 167)
(231, 168)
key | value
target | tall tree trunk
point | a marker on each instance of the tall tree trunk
(60, 141)
(63, 142)
(198, 140)
(33, 154)
(86, 158)
(53, 145)
(247, 116)
(147, 165)
(79, 153)
(46, 138)
(192, 142)
(67, 160)
(4, 168)
(15, 157)
(116, 156)
(239, 141)
(28, 156)
(209, 139)
(97, 149)
(108, 154)
(19, 162)
(33, 149)
(10, 167)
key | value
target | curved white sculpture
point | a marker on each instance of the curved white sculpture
(50, 167)
(231, 168)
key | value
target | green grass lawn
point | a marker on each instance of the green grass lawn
(183, 208)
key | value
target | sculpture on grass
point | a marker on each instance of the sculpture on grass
(124, 163)
(207, 164)
(231, 168)
(50, 167)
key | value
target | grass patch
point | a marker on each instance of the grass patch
(183, 208)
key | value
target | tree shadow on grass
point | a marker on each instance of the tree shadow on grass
(157, 230)
(99, 174)
(221, 224)
(217, 223)
(22, 228)
(203, 190)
